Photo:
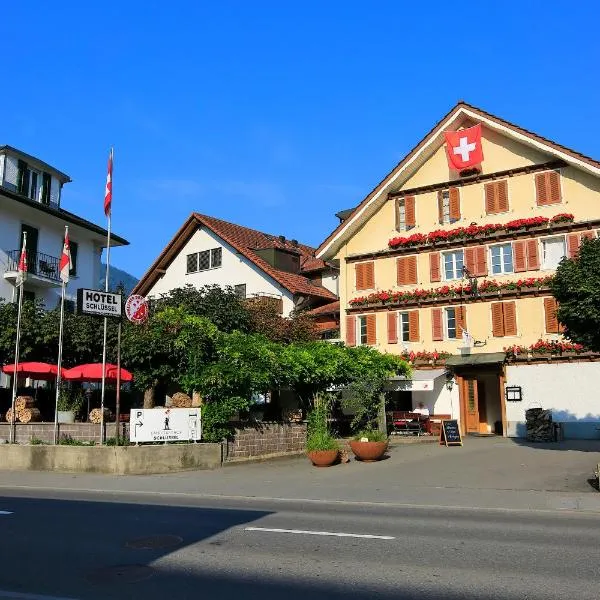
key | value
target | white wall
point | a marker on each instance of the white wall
(50, 241)
(570, 390)
(330, 281)
(235, 269)
(440, 400)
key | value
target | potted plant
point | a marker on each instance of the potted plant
(369, 445)
(69, 404)
(322, 448)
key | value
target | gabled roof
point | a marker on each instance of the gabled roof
(33, 161)
(327, 309)
(427, 146)
(245, 241)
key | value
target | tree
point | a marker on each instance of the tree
(266, 320)
(576, 287)
(32, 345)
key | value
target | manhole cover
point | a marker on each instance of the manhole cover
(121, 573)
(153, 542)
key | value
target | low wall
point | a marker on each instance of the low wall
(263, 439)
(85, 432)
(123, 460)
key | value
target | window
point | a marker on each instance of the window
(30, 183)
(404, 326)
(46, 188)
(504, 319)
(74, 248)
(365, 275)
(547, 188)
(362, 330)
(553, 251)
(496, 197)
(405, 213)
(450, 323)
(240, 290)
(445, 207)
(453, 265)
(501, 259)
(202, 261)
(401, 215)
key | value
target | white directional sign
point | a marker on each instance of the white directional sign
(165, 425)
(101, 304)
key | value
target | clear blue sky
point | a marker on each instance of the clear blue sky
(275, 115)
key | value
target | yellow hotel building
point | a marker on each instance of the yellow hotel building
(457, 264)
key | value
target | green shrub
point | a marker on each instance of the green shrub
(67, 440)
(319, 435)
(372, 435)
(36, 441)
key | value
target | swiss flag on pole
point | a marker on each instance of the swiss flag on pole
(22, 268)
(464, 148)
(108, 190)
(65, 259)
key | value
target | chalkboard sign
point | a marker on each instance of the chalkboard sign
(450, 433)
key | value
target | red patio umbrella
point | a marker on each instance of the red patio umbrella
(93, 372)
(35, 370)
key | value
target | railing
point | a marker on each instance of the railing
(38, 264)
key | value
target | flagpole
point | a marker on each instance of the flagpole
(20, 275)
(103, 392)
(60, 345)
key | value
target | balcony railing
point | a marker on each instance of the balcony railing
(38, 264)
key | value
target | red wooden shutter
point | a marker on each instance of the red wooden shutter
(360, 276)
(371, 330)
(441, 207)
(411, 269)
(437, 325)
(369, 275)
(550, 312)
(413, 326)
(454, 204)
(490, 198)
(510, 318)
(533, 256)
(502, 196)
(520, 256)
(588, 235)
(573, 242)
(553, 187)
(401, 270)
(409, 211)
(481, 261)
(350, 330)
(392, 326)
(435, 273)
(461, 320)
(470, 260)
(541, 193)
(497, 319)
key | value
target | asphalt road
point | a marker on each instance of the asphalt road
(98, 545)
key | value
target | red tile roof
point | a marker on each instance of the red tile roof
(326, 309)
(245, 241)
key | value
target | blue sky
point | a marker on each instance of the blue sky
(275, 115)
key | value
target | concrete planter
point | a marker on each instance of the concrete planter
(66, 416)
(323, 458)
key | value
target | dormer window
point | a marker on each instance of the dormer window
(33, 183)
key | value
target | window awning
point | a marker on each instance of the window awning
(473, 360)
(422, 380)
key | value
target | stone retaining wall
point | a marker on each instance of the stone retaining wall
(262, 439)
(85, 432)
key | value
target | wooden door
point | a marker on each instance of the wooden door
(471, 403)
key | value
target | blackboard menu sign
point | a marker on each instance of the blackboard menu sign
(450, 433)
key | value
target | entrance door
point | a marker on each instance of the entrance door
(471, 396)
(32, 246)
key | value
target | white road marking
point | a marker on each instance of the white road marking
(21, 596)
(326, 533)
(5, 512)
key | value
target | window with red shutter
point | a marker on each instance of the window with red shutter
(413, 326)
(490, 198)
(470, 260)
(480, 261)
(360, 276)
(401, 271)
(550, 314)
(509, 310)
(437, 325)
(461, 320)
(540, 189)
(435, 273)
(409, 207)
(371, 330)
(533, 256)
(351, 330)
(547, 188)
(502, 195)
(496, 197)
(441, 207)
(497, 319)
(392, 326)
(369, 275)
(454, 205)
(411, 269)
(520, 256)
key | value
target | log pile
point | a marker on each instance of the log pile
(25, 411)
(181, 400)
(540, 427)
(96, 416)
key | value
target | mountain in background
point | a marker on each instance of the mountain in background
(115, 277)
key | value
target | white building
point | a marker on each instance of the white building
(30, 201)
(208, 251)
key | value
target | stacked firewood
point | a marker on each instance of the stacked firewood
(540, 427)
(25, 411)
(96, 416)
(181, 400)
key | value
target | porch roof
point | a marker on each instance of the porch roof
(473, 360)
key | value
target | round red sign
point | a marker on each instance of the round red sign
(136, 308)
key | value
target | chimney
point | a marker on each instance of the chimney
(295, 243)
(282, 239)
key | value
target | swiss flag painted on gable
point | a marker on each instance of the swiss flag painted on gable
(464, 148)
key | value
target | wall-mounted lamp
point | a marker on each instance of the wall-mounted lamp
(449, 380)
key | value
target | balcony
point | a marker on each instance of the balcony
(42, 269)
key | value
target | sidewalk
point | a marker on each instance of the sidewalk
(485, 473)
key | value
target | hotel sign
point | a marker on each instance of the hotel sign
(99, 304)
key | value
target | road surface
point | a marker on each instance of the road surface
(99, 545)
